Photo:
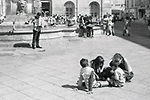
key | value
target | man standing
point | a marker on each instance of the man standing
(37, 25)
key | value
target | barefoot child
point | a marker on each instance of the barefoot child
(117, 79)
(87, 77)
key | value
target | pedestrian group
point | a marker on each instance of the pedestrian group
(108, 22)
(85, 25)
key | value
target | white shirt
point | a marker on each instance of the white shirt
(119, 77)
(85, 75)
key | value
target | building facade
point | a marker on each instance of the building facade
(2, 8)
(140, 8)
(95, 8)
(118, 5)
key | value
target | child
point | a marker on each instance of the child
(126, 26)
(97, 64)
(124, 65)
(117, 79)
(87, 76)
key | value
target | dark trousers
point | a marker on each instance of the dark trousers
(105, 74)
(36, 36)
(90, 32)
(81, 32)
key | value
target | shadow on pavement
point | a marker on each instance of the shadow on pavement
(74, 87)
(24, 45)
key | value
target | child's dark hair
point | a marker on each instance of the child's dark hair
(84, 62)
(97, 62)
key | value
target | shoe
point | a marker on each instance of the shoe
(38, 47)
(33, 47)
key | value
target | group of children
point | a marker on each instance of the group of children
(94, 75)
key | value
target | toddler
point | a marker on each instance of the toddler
(117, 79)
(87, 76)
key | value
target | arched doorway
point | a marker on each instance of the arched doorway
(94, 10)
(69, 9)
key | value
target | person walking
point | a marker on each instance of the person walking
(148, 23)
(37, 25)
(110, 26)
(105, 24)
(126, 26)
(144, 19)
(82, 27)
(113, 23)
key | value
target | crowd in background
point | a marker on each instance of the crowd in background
(85, 23)
(108, 22)
(60, 19)
(63, 19)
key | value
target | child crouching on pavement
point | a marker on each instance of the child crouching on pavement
(87, 77)
(118, 76)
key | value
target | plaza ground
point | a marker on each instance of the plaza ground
(28, 74)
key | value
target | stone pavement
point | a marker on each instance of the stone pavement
(28, 74)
